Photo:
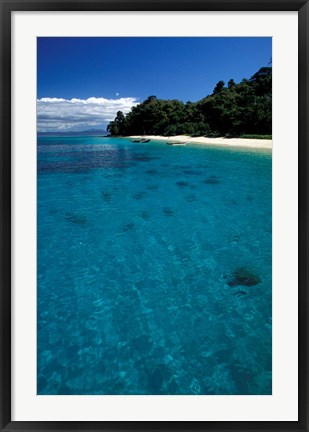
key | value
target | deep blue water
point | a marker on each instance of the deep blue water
(139, 249)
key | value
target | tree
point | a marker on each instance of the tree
(117, 126)
(243, 108)
(231, 84)
(219, 87)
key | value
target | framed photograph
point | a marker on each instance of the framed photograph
(154, 215)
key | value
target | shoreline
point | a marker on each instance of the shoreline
(229, 142)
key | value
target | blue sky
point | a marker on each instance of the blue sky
(83, 82)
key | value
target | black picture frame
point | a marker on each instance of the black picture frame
(7, 7)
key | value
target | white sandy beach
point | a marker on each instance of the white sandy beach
(232, 142)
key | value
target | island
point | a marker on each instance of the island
(237, 114)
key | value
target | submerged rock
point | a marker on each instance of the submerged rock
(106, 196)
(212, 180)
(243, 277)
(191, 172)
(144, 158)
(182, 184)
(151, 171)
(139, 195)
(128, 227)
(168, 211)
(76, 218)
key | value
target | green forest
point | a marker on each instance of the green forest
(233, 110)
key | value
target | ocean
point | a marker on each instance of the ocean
(154, 268)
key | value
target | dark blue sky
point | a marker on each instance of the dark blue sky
(181, 68)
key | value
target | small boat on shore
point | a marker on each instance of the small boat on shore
(141, 140)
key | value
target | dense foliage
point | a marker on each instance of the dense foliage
(235, 110)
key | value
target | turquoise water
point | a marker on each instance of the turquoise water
(139, 251)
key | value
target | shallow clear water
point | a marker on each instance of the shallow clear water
(137, 245)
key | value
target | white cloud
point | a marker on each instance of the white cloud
(77, 114)
(117, 94)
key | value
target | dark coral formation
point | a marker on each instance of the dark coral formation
(212, 180)
(168, 211)
(139, 195)
(106, 196)
(128, 227)
(142, 157)
(76, 218)
(242, 276)
(191, 172)
(182, 184)
(151, 171)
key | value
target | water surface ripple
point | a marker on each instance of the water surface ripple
(143, 251)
